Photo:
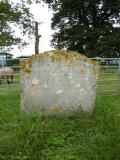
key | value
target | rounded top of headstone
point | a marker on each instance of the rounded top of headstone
(58, 55)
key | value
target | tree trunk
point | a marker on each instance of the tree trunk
(37, 37)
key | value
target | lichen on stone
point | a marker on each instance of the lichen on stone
(57, 109)
(22, 93)
(59, 55)
(26, 65)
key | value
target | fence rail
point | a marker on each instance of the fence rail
(109, 76)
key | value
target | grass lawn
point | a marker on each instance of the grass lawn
(75, 138)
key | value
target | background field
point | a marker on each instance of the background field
(75, 138)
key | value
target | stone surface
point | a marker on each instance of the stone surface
(58, 82)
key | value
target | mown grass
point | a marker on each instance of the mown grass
(75, 138)
(23, 137)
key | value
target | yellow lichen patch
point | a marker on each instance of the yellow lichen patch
(56, 59)
(26, 65)
(40, 56)
(58, 55)
(27, 70)
(81, 71)
(96, 70)
(70, 65)
(34, 85)
(26, 61)
(95, 62)
(62, 55)
(22, 93)
(57, 109)
(67, 55)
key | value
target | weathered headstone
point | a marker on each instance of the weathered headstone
(58, 82)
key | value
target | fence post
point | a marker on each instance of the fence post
(119, 69)
(107, 65)
(2, 63)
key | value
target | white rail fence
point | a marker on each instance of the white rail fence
(11, 87)
(109, 76)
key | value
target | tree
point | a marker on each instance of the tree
(14, 16)
(37, 37)
(86, 26)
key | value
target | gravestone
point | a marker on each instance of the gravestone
(58, 83)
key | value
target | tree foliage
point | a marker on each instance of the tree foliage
(86, 26)
(12, 17)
